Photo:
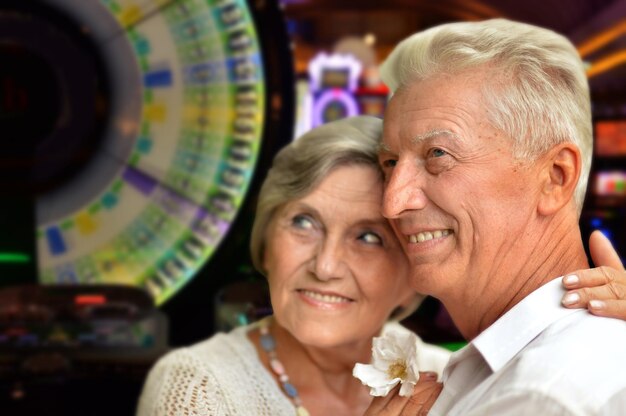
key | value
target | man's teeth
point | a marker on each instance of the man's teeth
(325, 298)
(427, 235)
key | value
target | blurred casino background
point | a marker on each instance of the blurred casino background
(135, 135)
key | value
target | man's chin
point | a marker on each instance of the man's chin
(431, 278)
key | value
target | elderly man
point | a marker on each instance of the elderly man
(486, 151)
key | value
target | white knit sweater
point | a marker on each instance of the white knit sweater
(224, 376)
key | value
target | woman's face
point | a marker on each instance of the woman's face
(335, 268)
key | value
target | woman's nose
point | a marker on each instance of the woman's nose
(329, 261)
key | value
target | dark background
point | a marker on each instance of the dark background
(291, 34)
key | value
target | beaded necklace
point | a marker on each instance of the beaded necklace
(268, 343)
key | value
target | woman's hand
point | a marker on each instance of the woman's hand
(424, 395)
(601, 290)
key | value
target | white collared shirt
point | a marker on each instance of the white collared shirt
(539, 359)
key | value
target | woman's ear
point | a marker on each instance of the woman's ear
(561, 170)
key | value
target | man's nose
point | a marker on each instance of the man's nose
(404, 190)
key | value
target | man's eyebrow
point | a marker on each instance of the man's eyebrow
(383, 147)
(434, 133)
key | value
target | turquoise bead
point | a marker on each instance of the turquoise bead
(268, 343)
(290, 389)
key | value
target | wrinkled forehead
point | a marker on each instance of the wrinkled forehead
(383, 146)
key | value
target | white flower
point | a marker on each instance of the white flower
(394, 360)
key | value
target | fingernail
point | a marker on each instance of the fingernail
(570, 280)
(571, 298)
(597, 304)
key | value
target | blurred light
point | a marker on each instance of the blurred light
(324, 62)
(90, 300)
(602, 38)
(608, 233)
(369, 39)
(607, 62)
(7, 257)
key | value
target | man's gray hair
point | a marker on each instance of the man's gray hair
(540, 94)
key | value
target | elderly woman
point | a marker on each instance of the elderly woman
(337, 278)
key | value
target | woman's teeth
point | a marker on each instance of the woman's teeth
(428, 235)
(324, 298)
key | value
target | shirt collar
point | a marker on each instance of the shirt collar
(499, 343)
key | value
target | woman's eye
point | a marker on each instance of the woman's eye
(303, 222)
(371, 238)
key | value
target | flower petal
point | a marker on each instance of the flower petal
(376, 380)
(369, 374)
(388, 352)
(383, 390)
(407, 389)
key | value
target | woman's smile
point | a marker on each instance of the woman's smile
(326, 300)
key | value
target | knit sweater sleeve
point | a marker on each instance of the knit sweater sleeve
(219, 376)
(181, 384)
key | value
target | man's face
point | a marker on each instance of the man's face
(454, 194)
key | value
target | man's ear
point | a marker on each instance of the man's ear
(561, 170)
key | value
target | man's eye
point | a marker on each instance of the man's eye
(302, 222)
(436, 152)
(371, 238)
(389, 163)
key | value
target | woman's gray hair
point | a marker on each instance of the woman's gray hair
(301, 165)
(540, 94)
